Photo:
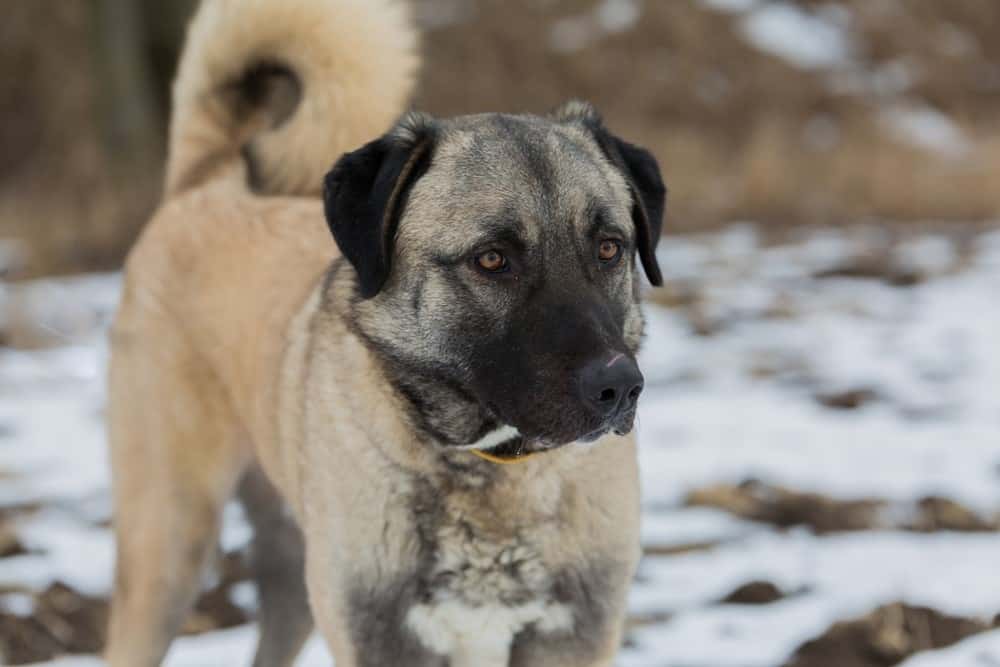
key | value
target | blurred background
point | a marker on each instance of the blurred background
(821, 438)
(793, 112)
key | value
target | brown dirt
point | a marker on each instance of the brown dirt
(642, 620)
(10, 545)
(657, 550)
(754, 592)
(935, 513)
(786, 508)
(65, 621)
(848, 399)
(885, 637)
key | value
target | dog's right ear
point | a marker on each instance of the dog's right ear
(365, 193)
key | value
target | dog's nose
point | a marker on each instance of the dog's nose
(611, 384)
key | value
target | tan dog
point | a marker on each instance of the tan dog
(483, 309)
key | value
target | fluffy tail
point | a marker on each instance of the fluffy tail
(290, 84)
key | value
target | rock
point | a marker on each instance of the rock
(754, 592)
(10, 545)
(886, 636)
(937, 513)
(849, 399)
(786, 508)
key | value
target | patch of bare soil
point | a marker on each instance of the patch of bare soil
(10, 545)
(755, 592)
(677, 549)
(650, 618)
(64, 621)
(885, 637)
(215, 608)
(935, 513)
(848, 399)
(786, 508)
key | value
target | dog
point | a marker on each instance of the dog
(417, 370)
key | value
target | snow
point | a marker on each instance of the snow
(573, 33)
(926, 128)
(807, 40)
(225, 647)
(733, 6)
(735, 404)
(691, 526)
(918, 348)
(71, 551)
(979, 651)
(881, 568)
(617, 15)
(233, 647)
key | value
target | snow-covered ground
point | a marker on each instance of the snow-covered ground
(739, 374)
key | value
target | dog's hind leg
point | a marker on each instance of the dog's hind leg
(176, 454)
(278, 555)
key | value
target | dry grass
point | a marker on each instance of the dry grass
(740, 134)
(732, 126)
(64, 191)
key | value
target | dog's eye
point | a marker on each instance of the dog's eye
(492, 261)
(609, 250)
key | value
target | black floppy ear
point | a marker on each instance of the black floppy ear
(365, 193)
(642, 173)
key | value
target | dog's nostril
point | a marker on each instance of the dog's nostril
(607, 388)
(607, 395)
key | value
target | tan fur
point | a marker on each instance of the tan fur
(356, 60)
(221, 355)
(230, 349)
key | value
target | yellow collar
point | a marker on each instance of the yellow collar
(494, 458)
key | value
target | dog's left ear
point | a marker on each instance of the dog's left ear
(642, 174)
(365, 193)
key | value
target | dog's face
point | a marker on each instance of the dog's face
(498, 256)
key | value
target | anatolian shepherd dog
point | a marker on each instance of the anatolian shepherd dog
(427, 415)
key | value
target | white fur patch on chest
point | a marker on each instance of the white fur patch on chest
(482, 636)
(484, 591)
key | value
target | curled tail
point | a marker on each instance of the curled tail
(289, 84)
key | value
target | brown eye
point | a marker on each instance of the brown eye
(608, 250)
(492, 262)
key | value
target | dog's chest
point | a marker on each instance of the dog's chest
(482, 588)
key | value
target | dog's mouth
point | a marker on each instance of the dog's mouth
(508, 445)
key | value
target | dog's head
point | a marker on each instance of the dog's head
(498, 256)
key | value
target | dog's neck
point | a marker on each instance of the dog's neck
(440, 408)
(442, 411)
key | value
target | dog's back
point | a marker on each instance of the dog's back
(268, 94)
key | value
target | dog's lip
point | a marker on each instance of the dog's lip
(594, 435)
(624, 426)
(542, 442)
